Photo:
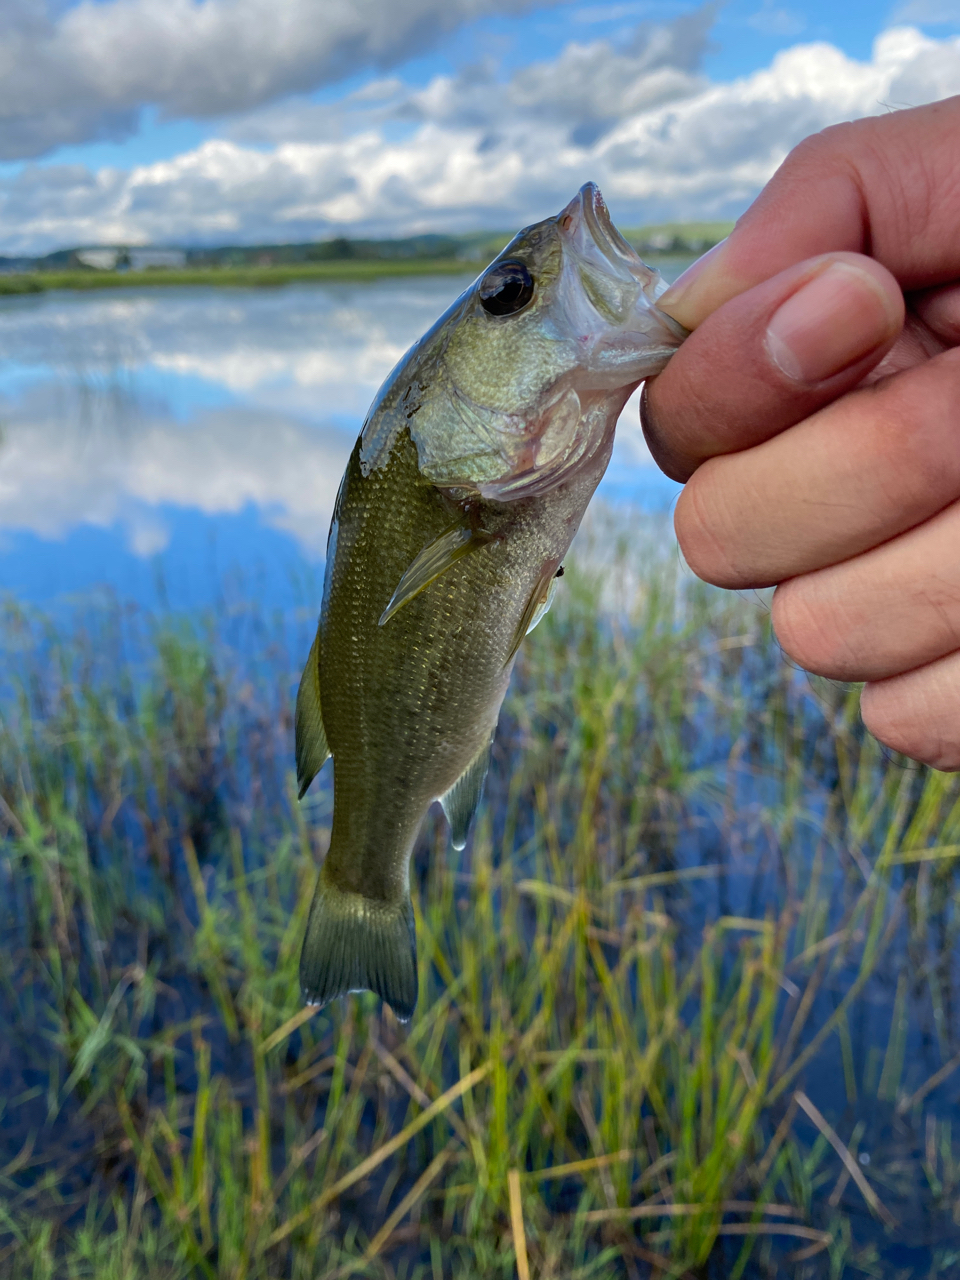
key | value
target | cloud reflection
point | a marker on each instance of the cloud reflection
(114, 409)
(56, 475)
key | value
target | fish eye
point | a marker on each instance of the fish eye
(506, 288)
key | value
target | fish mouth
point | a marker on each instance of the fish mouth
(617, 281)
(587, 220)
(612, 296)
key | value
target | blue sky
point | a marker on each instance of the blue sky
(144, 121)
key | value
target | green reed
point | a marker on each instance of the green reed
(670, 995)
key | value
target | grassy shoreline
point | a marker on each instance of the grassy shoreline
(233, 277)
(347, 271)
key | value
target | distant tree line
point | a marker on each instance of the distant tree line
(474, 247)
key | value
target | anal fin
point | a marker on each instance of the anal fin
(461, 801)
(435, 558)
(310, 736)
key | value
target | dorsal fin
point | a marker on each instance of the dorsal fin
(310, 735)
(460, 802)
(435, 558)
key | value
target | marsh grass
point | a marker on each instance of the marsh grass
(687, 1000)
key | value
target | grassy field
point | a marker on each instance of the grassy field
(243, 277)
(687, 1000)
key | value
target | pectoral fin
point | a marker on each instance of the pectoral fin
(537, 606)
(460, 802)
(435, 558)
(310, 736)
(544, 602)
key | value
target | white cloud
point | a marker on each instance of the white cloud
(69, 75)
(584, 90)
(317, 354)
(607, 12)
(660, 141)
(57, 477)
(114, 408)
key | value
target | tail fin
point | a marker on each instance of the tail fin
(355, 943)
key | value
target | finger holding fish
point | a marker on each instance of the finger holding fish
(891, 610)
(850, 498)
(890, 617)
(769, 358)
(918, 712)
(857, 473)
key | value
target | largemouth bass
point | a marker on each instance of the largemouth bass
(465, 488)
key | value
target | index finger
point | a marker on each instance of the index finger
(887, 186)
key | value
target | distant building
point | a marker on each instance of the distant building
(131, 259)
(141, 259)
(99, 259)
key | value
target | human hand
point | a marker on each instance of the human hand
(816, 419)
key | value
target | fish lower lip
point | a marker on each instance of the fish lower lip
(595, 208)
(588, 210)
(606, 236)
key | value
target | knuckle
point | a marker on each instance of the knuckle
(812, 629)
(703, 532)
(935, 604)
(817, 148)
(828, 151)
(906, 470)
(917, 420)
(881, 165)
(906, 714)
(904, 442)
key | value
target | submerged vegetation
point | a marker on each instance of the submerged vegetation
(687, 1000)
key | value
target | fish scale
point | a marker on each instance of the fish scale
(427, 721)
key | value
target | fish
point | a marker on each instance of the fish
(467, 483)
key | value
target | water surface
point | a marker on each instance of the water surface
(162, 442)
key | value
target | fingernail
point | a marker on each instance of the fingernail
(681, 299)
(837, 318)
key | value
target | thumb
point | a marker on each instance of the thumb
(769, 358)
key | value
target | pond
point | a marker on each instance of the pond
(688, 999)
